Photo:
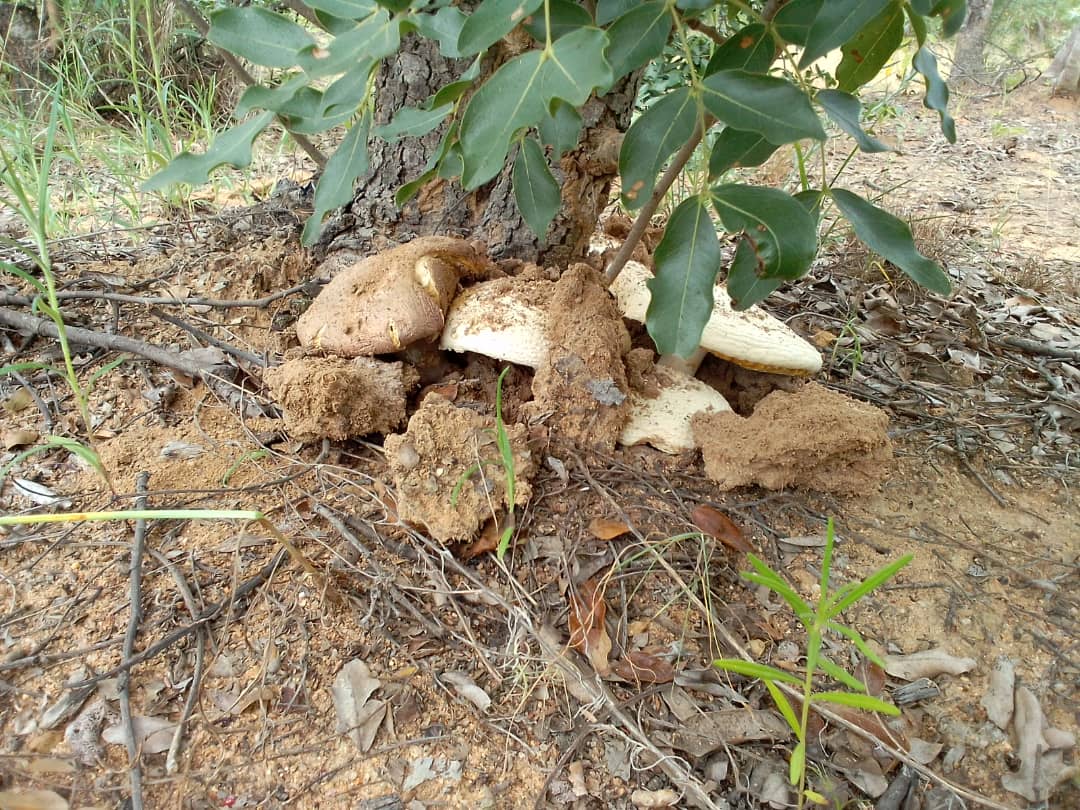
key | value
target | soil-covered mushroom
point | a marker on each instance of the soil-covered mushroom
(504, 319)
(662, 403)
(751, 338)
(385, 302)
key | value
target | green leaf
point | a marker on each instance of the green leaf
(865, 54)
(763, 575)
(751, 49)
(346, 93)
(378, 36)
(768, 105)
(394, 5)
(566, 16)
(797, 763)
(492, 21)
(952, 13)
(260, 97)
(872, 582)
(839, 674)
(444, 26)
(811, 200)
(231, 147)
(792, 22)
(783, 234)
(784, 705)
(937, 92)
(520, 93)
(608, 10)
(345, 9)
(890, 237)
(637, 37)
(413, 122)
(258, 35)
(918, 25)
(654, 137)
(854, 637)
(303, 113)
(536, 192)
(338, 179)
(406, 191)
(836, 23)
(687, 259)
(856, 701)
(845, 110)
(560, 128)
(735, 149)
(745, 285)
(752, 670)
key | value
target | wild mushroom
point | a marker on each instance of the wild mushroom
(661, 410)
(390, 300)
(752, 338)
(504, 319)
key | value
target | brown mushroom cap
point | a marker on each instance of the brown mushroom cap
(387, 301)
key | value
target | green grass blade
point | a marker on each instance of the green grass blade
(19, 368)
(797, 764)
(101, 372)
(838, 673)
(465, 476)
(753, 670)
(854, 637)
(855, 701)
(869, 584)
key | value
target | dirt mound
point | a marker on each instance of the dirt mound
(813, 438)
(583, 382)
(335, 398)
(447, 470)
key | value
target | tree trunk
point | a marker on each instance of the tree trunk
(969, 60)
(489, 213)
(1065, 69)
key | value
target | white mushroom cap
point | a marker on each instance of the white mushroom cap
(664, 421)
(497, 319)
(752, 338)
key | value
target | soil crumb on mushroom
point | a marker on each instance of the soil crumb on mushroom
(438, 452)
(583, 381)
(337, 398)
(813, 439)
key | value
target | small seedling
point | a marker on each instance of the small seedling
(506, 458)
(818, 620)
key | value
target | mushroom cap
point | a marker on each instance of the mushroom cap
(751, 338)
(387, 301)
(503, 319)
(663, 421)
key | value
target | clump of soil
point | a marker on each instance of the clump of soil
(336, 398)
(583, 382)
(814, 439)
(443, 447)
(743, 388)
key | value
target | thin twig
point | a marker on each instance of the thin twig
(203, 27)
(100, 340)
(123, 683)
(644, 216)
(205, 618)
(38, 401)
(206, 337)
(166, 300)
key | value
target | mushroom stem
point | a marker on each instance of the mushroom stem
(686, 365)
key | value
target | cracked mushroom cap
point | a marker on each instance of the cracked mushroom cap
(385, 302)
(661, 417)
(504, 319)
(752, 338)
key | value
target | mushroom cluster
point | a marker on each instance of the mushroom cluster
(589, 385)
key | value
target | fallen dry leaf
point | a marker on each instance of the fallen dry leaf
(607, 528)
(358, 715)
(926, 664)
(488, 540)
(588, 635)
(645, 799)
(716, 523)
(998, 700)
(32, 800)
(641, 667)
(19, 438)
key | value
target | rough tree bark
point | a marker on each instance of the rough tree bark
(969, 59)
(1065, 69)
(489, 213)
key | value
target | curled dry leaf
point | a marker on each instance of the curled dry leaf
(488, 539)
(716, 523)
(607, 528)
(641, 667)
(588, 635)
(665, 797)
(926, 664)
